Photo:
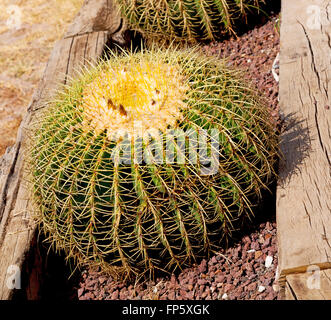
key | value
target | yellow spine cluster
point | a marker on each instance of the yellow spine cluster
(144, 95)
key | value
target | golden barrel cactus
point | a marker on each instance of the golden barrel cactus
(149, 160)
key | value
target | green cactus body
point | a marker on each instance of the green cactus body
(187, 19)
(149, 160)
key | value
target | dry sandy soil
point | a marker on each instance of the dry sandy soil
(28, 30)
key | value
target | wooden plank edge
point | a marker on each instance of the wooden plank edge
(28, 259)
(293, 283)
(312, 285)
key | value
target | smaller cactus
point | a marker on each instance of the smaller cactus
(187, 19)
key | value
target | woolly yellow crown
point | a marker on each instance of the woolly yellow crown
(134, 99)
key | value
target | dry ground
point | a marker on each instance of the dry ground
(28, 30)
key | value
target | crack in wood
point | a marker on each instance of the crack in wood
(8, 178)
(319, 134)
(312, 55)
(291, 290)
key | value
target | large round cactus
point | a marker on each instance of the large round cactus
(187, 19)
(149, 160)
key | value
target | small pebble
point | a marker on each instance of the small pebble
(275, 287)
(261, 288)
(225, 296)
(268, 261)
(80, 292)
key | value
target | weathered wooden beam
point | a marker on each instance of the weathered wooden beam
(304, 189)
(96, 23)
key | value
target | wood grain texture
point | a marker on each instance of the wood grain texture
(304, 189)
(95, 25)
(309, 286)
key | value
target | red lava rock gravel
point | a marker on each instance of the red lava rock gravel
(240, 272)
(254, 52)
(246, 270)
